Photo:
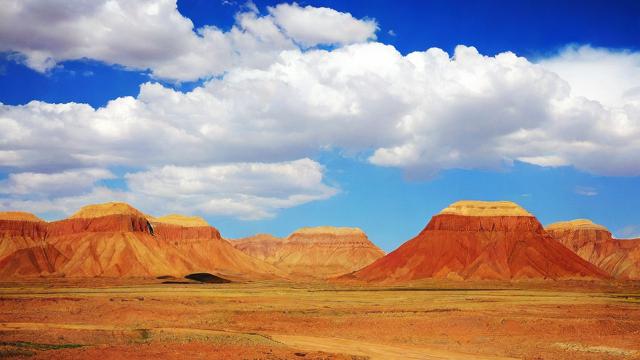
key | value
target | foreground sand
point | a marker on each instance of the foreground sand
(143, 319)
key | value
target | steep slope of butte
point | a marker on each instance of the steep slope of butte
(480, 241)
(594, 243)
(316, 252)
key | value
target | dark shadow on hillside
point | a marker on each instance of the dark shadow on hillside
(207, 278)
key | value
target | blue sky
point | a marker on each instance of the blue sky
(357, 170)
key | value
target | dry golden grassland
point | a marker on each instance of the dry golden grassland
(142, 319)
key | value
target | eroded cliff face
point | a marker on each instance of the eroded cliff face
(314, 252)
(19, 230)
(116, 240)
(181, 229)
(594, 243)
(107, 223)
(465, 244)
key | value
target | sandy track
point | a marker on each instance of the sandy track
(373, 350)
(308, 343)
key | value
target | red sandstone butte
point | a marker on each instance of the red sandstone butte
(19, 230)
(116, 240)
(474, 240)
(618, 257)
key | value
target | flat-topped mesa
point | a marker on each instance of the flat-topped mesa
(18, 216)
(179, 228)
(480, 241)
(594, 243)
(485, 208)
(21, 224)
(576, 233)
(181, 220)
(329, 230)
(577, 224)
(484, 216)
(107, 217)
(106, 209)
(330, 236)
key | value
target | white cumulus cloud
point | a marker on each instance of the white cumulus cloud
(53, 184)
(152, 34)
(608, 76)
(422, 112)
(311, 26)
(231, 146)
(244, 190)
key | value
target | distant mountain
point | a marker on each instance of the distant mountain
(314, 252)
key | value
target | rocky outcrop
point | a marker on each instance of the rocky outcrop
(594, 243)
(314, 252)
(480, 241)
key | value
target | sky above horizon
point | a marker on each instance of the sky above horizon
(264, 117)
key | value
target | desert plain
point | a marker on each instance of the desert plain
(144, 318)
(483, 280)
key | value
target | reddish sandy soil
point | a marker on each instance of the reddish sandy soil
(430, 320)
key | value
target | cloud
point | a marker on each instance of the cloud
(585, 191)
(56, 184)
(152, 34)
(139, 35)
(611, 77)
(244, 190)
(276, 100)
(311, 26)
(422, 112)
